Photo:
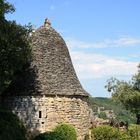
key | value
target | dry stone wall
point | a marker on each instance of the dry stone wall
(41, 113)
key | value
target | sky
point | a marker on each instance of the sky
(103, 36)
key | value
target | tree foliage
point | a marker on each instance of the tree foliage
(5, 8)
(14, 46)
(10, 127)
(119, 111)
(110, 133)
(128, 93)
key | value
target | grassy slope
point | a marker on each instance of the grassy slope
(121, 113)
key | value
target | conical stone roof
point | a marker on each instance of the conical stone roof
(51, 71)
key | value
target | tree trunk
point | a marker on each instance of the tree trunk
(138, 118)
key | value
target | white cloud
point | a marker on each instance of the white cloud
(89, 65)
(52, 7)
(121, 42)
(60, 5)
(135, 55)
(127, 41)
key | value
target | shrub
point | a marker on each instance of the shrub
(65, 132)
(134, 131)
(105, 133)
(61, 132)
(47, 136)
(10, 127)
(125, 136)
(102, 115)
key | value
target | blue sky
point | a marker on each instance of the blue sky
(103, 36)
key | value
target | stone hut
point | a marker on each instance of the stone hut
(48, 92)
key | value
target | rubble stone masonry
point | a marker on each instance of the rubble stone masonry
(41, 114)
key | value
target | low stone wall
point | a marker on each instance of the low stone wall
(43, 113)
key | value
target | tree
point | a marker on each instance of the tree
(14, 46)
(128, 93)
(5, 8)
(11, 128)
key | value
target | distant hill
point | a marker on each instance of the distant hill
(106, 108)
